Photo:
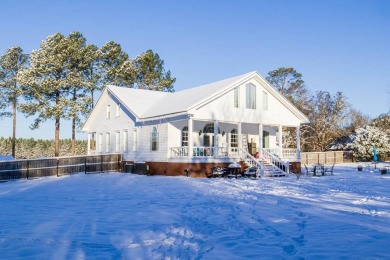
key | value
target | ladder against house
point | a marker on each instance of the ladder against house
(270, 165)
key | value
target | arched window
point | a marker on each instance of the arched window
(184, 136)
(208, 135)
(154, 139)
(209, 128)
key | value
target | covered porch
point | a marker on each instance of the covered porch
(189, 139)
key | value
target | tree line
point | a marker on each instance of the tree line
(27, 148)
(58, 81)
(334, 123)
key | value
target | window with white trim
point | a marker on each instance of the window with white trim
(108, 142)
(125, 140)
(265, 101)
(184, 136)
(92, 141)
(250, 96)
(237, 97)
(234, 138)
(117, 141)
(154, 139)
(135, 140)
(100, 146)
(108, 112)
(118, 110)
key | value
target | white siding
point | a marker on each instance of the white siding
(223, 109)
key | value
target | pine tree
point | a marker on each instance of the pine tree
(112, 59)
(46, 84)
(150, 73)
(79, 100)
(10, 64)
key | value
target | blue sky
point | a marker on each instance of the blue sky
(336, 45)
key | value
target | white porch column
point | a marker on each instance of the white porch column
(299, 142)
(89, 143)
(216, 127)
(260, 136)
(239, 138)
(280, 134)
(190, 139)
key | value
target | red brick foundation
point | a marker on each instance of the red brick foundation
(195, 170)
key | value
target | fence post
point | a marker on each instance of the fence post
(101, 163)
(28, 170)
(85, 165)
(119, 162)
(57, 166)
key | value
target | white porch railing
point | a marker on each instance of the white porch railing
(232, 152)
(265, 155)
(220, 152)
(287, 153)
(269, 165)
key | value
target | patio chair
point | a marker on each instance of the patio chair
(251, 172)
(328, 170)
(310, 171)
(218, 171)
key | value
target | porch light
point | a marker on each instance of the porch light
(200, 132)
(223, 133)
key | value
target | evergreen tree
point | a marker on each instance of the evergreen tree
(79, 62)
(150, 73)
(46, 84)
(112, 59)
(10, 64)
(93, 71)
(290, 84)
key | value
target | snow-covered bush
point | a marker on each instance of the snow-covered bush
(364, 140)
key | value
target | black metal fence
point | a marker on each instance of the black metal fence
(60, 166)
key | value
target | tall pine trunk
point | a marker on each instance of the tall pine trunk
(57, 130)
(14, 127)
(73, 142)
(73, 149)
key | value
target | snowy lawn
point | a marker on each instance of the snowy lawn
(125, 216)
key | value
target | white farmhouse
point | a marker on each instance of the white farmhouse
(190, 131)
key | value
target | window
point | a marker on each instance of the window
(108, 112)
(125, 140)
(100, 140)
(209, 128)
(208, 135)
(108, 144)
(184, 136)
(154, 139)
(234, 138)
(237, 97)
(117, 141)
(250, 96)
(135, 140)
(92, 141)
(118, 110)
(265, 101)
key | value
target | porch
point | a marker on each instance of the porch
(189, 139)
(287, 154)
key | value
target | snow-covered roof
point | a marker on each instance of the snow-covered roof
(138, 101)
(148, 103)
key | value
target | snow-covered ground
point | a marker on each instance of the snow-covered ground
(126, 216)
